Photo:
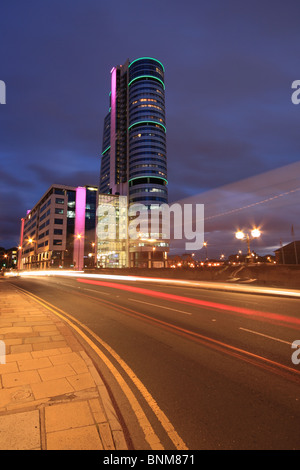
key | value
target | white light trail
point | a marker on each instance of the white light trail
(221, 286)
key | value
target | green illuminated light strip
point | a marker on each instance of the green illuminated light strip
(151, 122)
(151, 58)
(105, 150)
(147, 76)
(139, 177)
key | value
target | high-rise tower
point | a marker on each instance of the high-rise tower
(134, 161)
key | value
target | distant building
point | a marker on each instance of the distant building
(182, 261)
(238, 258)
(288, 254)
(8, 258)
(59, 232)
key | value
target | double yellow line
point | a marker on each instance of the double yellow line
(150, 435)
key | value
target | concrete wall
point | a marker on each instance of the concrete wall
(264, 275)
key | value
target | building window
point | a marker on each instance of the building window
(59, 211)
(59, 200)
(58, 221)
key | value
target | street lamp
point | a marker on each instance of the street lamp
(205, 244)
(255, 233)
(240, 235)
(5, 260)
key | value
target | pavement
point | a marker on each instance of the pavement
(51, 394)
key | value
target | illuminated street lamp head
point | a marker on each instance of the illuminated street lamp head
(240, 235)
(30, 240)
(78, 236)
(255, 233)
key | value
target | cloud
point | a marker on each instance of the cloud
(12, 209)
(229, 67)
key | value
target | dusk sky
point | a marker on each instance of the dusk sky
(233, 139)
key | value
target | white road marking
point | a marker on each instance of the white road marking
(161, 306)
(97, 291)
(266, 336)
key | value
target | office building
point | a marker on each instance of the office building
(134, 159)
(8, 258)
(59, 231)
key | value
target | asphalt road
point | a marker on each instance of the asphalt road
(217, 364)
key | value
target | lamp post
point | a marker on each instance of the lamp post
(5, 260)
(79, 259)
(240, 235)
(205, 244)
(94, 254)
(31, 241)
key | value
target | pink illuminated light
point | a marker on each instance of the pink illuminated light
(113, 126)
(21, 244)
(79, 227)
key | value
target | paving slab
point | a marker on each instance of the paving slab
(51, 395)
(20, 431)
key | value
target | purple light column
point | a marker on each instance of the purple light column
(113, 128)
(20, 250)
(79, 234)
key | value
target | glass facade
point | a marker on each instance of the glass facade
(112, 219)
(147, 133)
